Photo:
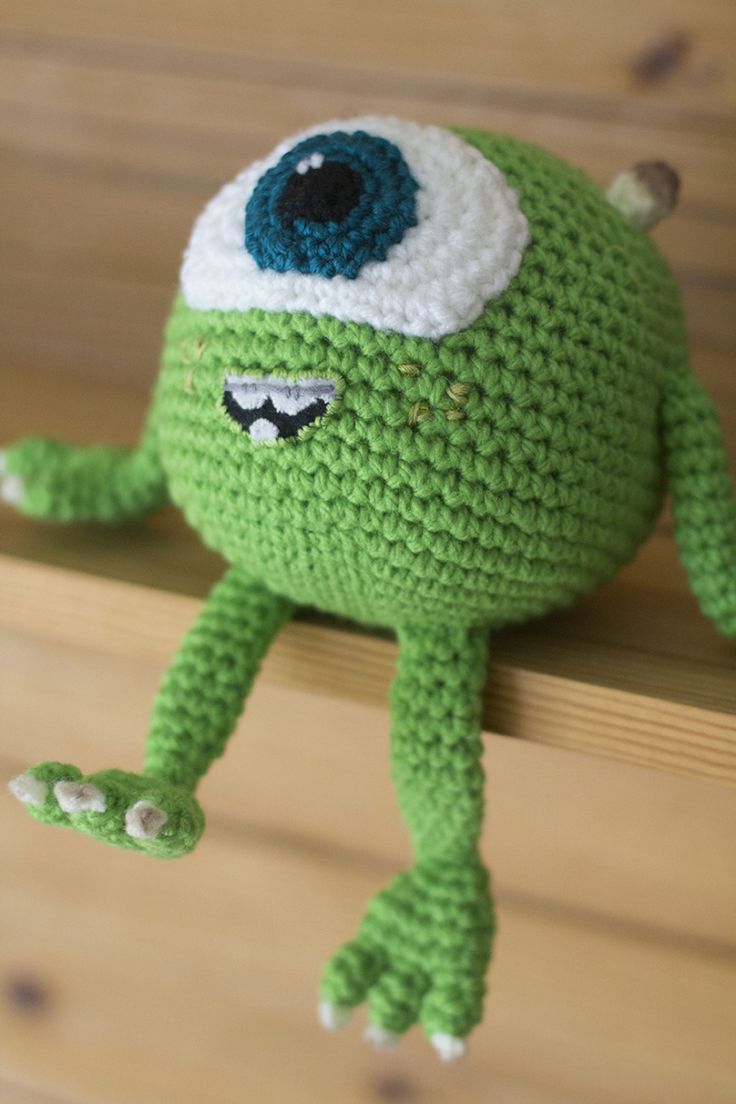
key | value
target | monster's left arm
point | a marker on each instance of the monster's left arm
(55, 481)
(703, 498)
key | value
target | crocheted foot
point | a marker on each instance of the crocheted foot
(126, 810)
(420, 957)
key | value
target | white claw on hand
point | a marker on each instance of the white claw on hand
(29, 790)
(80, 797)
(380, 1038)
(11, 486)
(333, 1017)
(144, 821)
(449, 1047)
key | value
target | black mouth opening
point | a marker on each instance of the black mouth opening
(256, 421)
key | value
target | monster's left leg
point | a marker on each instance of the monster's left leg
(195, 711)
(423, 947)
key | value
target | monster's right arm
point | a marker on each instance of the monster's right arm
(703, 499)
(58, 482)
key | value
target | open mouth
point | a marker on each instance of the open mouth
(270, 407)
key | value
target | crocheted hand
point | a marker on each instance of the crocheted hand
(58, 482)
(420, 956)
(127, 810)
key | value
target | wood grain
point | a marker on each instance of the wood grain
(604, 842)
(131, 156)
(17, 1094)
(124, 947)
(649, 728)
(129, 982)
(583, 59)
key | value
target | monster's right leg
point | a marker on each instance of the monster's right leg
(195, 711)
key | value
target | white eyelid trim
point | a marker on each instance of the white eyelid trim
(464, 251)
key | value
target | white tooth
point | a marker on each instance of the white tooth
(80, 797)
(285, 404)
(29, 790)
(292, 400)
(263, 430)
(144, 820)
(249, 397)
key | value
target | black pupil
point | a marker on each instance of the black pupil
(324, 194)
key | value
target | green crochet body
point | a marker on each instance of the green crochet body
(533, 474)
(451, 486)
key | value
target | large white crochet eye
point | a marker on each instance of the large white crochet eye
(372, 219)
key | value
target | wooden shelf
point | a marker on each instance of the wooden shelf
(126, 979)
(568, 681)
(633, 673)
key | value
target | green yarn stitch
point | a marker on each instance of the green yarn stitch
(452, 487)
(423, 948)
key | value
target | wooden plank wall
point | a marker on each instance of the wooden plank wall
(124, 980)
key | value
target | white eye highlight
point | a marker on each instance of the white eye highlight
(314, 161)
(464, 250)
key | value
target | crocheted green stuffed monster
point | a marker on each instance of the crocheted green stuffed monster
(423, 378)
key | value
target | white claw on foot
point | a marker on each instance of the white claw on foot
(29, 790)
(333, 1017)
(380, 1038)
(80, 797)
(144, 821)
(449, 1047)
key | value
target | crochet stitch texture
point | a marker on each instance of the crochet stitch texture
(530, 490)
(379, 442)
(464, 249)
(331, 205)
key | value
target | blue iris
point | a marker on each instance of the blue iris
(332, 204)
